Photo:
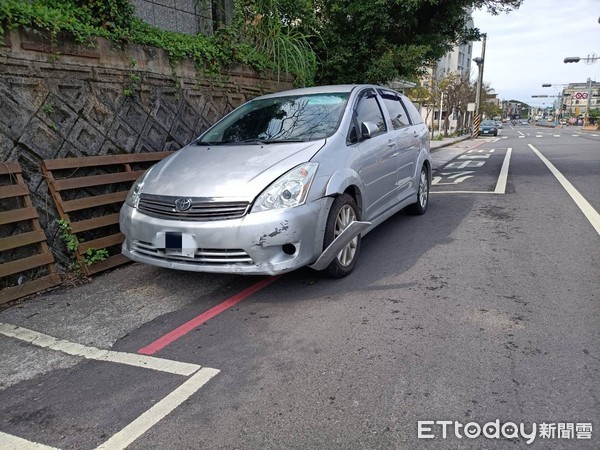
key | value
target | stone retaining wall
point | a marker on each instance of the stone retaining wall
(72, 101)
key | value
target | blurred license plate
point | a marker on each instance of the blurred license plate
(178, 244)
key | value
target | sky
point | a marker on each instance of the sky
(526, 47)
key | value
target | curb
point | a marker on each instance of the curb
(443, 144)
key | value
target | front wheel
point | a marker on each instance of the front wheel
(420, 206)
(342, 213)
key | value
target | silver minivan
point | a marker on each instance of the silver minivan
(284, 181)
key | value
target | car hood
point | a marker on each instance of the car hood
(226, 171)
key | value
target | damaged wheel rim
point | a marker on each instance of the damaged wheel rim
(345, 217)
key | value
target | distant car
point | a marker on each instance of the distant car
(488, 127)
(284, 181)
(524, 122)
(499, 124)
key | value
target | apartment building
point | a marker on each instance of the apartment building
(577, 96)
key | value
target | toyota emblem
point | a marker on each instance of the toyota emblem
(183, 204)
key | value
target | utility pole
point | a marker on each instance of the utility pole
(586, 122)
(433, 79)
(440, 116)
(480, 62)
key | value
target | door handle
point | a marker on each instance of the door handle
(391, 143)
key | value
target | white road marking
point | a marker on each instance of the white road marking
(473, 157)
(462, 192)
(521, 137)
(587, 209)
(503, 178)
(556, 135)
(464, 164)
(575, 135)
(470, 151)
(520, 133)
(71, 348)
(10, 442)
(504, 137)
(595, 135)
(164, 407)
(500, 184)
(492, 150)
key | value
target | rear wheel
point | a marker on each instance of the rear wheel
(420, 206)
(342, 213)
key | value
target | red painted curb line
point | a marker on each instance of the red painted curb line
(178, 332)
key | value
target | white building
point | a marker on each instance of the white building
(459, 59)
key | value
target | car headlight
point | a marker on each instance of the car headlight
(133, 196)
(289, 190)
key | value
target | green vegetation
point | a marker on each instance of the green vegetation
(69, 239)
(323, 41)
(114, 20)
(48, 108)
(91, 256)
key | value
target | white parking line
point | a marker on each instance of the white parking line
(503, 178)
(71, 348)
(10, 442)
(151, 417)
(199, 377)
(587, 209)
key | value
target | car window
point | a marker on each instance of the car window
(286, 118)
(398, 114)
(368, 110)
(415, 117)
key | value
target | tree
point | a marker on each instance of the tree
(458, 92)
(367, 41)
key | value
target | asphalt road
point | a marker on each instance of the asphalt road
(486, 308)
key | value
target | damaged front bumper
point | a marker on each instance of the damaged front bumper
(263, 243)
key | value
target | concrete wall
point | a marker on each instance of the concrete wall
(183, 16)
(73, 101)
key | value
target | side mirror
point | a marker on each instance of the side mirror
(368, 130)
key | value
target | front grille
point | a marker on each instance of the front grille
(163, 207)
(201, 256)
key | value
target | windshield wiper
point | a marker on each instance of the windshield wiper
(208, 143)
(268, 141)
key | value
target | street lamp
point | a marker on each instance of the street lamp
(479, 61)
(589, 59)
(559, 103)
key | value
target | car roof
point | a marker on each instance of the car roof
(328, 89)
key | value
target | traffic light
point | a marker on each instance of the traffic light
(564, 106)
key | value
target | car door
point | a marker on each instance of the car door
(405, 140)
(373, 156)
(420, 134)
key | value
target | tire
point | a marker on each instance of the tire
(343, 211)
(420, 206)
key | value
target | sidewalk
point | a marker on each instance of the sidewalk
(435, 144)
